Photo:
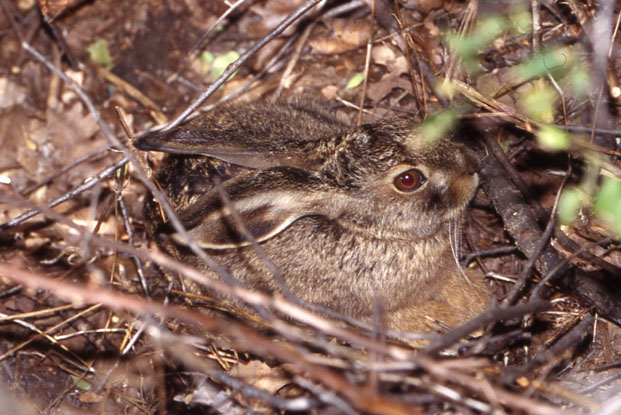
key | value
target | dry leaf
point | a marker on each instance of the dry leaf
(342, 35)
(11, 93)
(261, 376)
(266, 16)
(396, 66)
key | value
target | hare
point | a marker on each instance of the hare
(349, 216)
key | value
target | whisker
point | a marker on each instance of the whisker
(454, 238)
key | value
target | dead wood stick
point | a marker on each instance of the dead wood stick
(596, 289)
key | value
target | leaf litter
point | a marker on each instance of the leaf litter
(126, 358)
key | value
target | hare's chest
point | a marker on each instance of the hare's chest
(322, 263)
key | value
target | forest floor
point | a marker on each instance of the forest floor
(88, 324)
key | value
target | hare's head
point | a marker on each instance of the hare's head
(392, 182)
(382, 179)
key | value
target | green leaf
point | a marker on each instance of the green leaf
(436, 127)
(355, 80)
(539, 103)
(81, 383)
(556, 62)
(99, 53)
(607, 205)
(468, 46)
(122, 171)
(205, 59)
(521, 21)
(580, 80)
(569, 205)
(221, 62)
(505, 144)
(553, 138)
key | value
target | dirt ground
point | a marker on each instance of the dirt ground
(88, 323)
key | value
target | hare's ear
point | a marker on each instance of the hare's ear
(231, 147)
(253, 135)
(267, 202)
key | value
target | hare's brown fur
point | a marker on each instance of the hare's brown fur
(321, 199)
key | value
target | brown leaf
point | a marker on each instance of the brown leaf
(265, 17)
(11, 93)
(261, 376)
(396, 66)
(342, 35)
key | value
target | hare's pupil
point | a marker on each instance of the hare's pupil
(409, 181)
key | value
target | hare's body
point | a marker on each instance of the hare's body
(348, 216)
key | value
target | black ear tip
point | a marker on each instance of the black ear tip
(144, 143)
(157, 141)
(179, 141)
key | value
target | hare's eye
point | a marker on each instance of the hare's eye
(410, 180)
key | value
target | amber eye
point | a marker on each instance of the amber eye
(410, 180)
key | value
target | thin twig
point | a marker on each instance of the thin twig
(88, 184)
(68, 167)
(233, 67)
(490, 316)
